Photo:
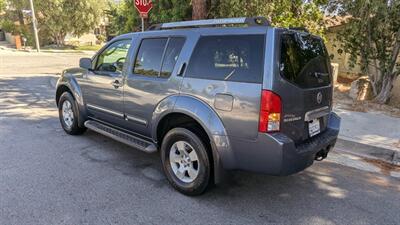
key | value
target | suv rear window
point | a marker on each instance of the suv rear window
(230, 58)
(304, 60)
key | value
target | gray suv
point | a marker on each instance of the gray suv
(210, 96)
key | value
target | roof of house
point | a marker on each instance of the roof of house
(334, 21)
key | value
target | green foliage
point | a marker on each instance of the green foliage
(283, 13)
(83, 15)
(88, 48)
(286, 13)
(9, 26)
(170, 10)
(56, 18)
(372, 38)
(124, 17)
(2, 5)
(59, 17)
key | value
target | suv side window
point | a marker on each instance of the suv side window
(112, 59)
(157, 56)
(171, 56)
(230, 58)
(148, 59)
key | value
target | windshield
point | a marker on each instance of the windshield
(304, 60)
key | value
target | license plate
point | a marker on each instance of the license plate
(313, 127)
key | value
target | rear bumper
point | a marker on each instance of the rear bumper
(277, 154)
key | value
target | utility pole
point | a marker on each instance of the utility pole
(34, 22)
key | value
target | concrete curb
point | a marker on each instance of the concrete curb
(368, 151)
(48, 50)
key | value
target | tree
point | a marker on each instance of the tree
(124, 17)
(60, 17)
(2, 5)
(287, 13)
(57, 18)
(283, 13)
(372, 38)
(171, 10)
(199, 9)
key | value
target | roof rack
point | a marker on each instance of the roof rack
(249, 21)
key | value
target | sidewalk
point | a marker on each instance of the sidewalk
(370, 135)
(8, 47)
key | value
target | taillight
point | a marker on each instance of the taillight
(270, 112)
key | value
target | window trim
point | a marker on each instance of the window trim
(96, 57)
(132, 71)
(230, 35)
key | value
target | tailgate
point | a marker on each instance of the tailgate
(306, 87)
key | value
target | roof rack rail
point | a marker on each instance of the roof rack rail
(249, 21)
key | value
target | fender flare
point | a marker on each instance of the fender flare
(208, 119)
(71, 83)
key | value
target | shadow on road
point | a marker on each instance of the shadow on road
(26, 96)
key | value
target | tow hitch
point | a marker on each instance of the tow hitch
(321, 155)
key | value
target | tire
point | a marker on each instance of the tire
(190, 183)
(67, 108)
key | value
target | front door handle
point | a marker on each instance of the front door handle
(116, 83)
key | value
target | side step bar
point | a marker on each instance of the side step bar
(121, 136)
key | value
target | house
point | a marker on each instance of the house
(334, 25)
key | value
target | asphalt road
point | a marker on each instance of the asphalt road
(48, 177)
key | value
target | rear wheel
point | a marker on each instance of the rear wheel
(68, 114)
(185, 161)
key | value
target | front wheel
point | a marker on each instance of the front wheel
(68, 114)
(185, 161)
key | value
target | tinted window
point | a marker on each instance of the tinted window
(230, 58)
(304, 60)
(148, 59)
(171, 56)
(112, 59)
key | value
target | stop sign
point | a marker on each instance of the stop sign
(143, 6)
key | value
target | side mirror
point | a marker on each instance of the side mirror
(85, 63)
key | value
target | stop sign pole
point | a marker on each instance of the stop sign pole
(143, 7)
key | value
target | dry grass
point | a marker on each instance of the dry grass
(341, 98)
(386, 168)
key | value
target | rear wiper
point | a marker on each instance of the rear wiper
(230, 74)
(318, 74)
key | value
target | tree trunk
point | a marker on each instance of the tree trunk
(385, 92)
(59, 38)
(388, 78)
(55, 38)
(199, 10)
